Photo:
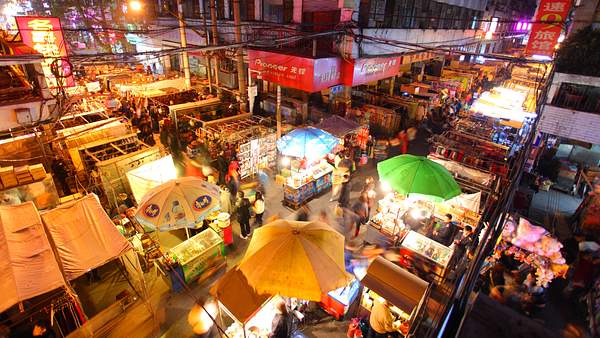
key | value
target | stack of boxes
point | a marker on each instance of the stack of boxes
(11, 177)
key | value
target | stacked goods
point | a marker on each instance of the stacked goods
(37, 171)
(380, 151)
(23, 175)
(8, 178)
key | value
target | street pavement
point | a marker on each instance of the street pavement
(164, 314)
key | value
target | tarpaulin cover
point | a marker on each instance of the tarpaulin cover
(338, 126)
(84, 235)
(238, 297)
(28, 267)
(398, 286)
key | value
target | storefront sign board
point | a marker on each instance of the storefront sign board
(550, 18)
(363, 71)
(306, 74)
(44, 34)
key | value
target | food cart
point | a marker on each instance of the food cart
(404, 291)
(304, 184)
(200, 255)
(243, 311)
(423, 256)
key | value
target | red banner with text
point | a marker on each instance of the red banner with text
(44, 34)
(549, 22)
(306, 74)
(363, 71)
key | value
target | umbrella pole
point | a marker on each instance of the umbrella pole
(187, 233)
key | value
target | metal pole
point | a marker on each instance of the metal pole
(240, 56)
(215, 37)
(209, 65)
(278, 112)
(183, 38)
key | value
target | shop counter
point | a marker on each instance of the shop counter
(301, 187)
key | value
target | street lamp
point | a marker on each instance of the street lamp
(137, 5)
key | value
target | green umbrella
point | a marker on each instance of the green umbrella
(409, 174)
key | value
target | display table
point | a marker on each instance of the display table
(192, 258)
(301, 186)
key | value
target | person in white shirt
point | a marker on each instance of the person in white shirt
(259, 209)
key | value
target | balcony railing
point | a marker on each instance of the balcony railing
(578, 97)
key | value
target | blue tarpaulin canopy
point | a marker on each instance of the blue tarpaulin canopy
(310, 143)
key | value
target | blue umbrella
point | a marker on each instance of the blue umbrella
(310, 143)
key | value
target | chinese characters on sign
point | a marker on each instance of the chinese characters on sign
(549, 22)
(363, 71)
(306, 74)
(45, 36)
(408, 59)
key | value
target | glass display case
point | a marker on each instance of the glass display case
(427, 247)
(195, 254)
(304, 184)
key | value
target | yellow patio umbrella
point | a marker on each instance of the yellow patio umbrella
(295, 259)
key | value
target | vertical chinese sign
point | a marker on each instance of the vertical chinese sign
(549, 22)
(44, 35)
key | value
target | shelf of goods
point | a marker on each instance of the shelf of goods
(257, 154)
(198, 254)
(474, 153)
(259, 326)
(306, 184)
(337, 302)
(593, 308)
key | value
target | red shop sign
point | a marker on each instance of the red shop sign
(306, 74)
(550, 18)
(363, 71)
(44, 34)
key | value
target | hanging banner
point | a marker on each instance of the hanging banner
(412, 58)
(550, 18)
(306, 74)
(44, 34)
(363, 71)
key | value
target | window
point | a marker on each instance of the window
(278, 11)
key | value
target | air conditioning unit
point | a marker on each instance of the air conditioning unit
(25, 116)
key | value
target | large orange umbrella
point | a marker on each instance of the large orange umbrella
(295, 259)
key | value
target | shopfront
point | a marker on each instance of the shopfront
(296, 75)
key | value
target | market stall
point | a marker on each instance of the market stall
(243, 311)
(200, 255)
(533, 245)
(253, 136)
(308, 174)
(28, 183)
(385, 281)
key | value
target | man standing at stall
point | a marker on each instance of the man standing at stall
(381, 321)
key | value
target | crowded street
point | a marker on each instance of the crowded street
(265, 169)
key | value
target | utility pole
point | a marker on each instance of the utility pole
(207, 40)
(186, 60)
(278, 112)
(240, 56)
(215, 37)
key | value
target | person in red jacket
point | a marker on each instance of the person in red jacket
(403, 137)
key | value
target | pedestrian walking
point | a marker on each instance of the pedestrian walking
(259, 209)
(361, 209)
(244, 218)
(344, 199)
